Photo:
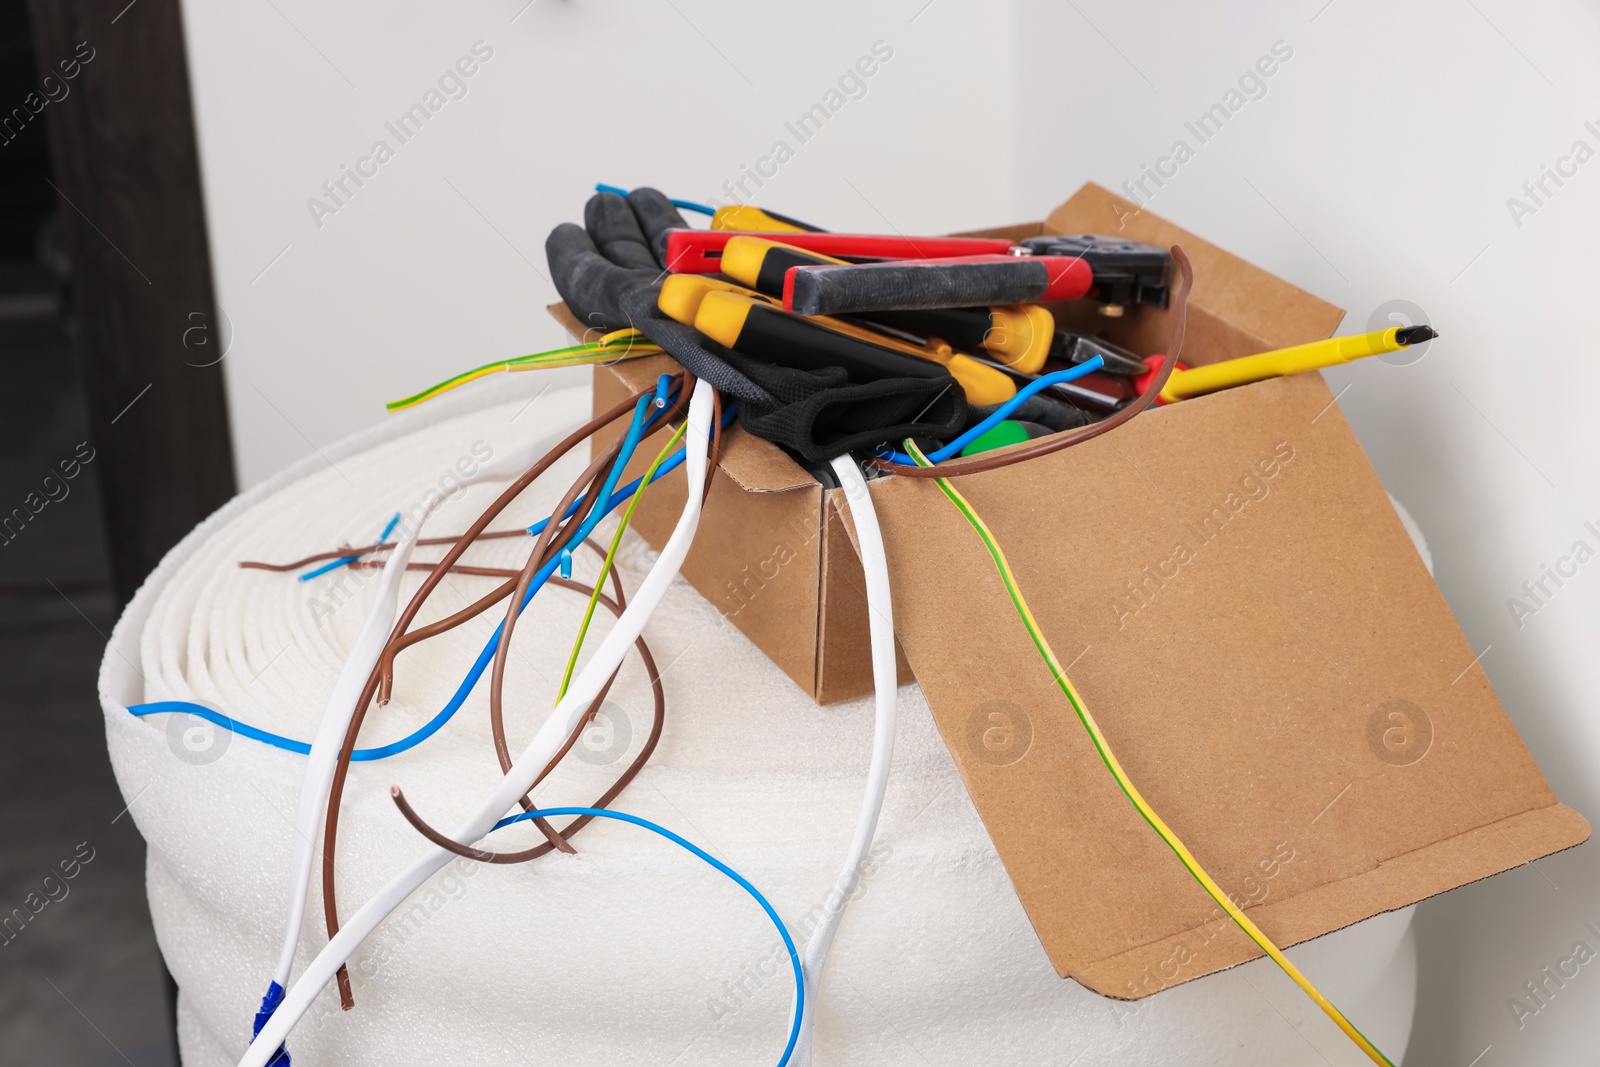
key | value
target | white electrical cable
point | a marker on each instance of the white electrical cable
(885, 680)
(341, 706)
(545, 744)
(330, 733)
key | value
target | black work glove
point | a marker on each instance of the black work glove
(609, 272)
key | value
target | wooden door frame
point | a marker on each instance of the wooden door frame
(127, 179)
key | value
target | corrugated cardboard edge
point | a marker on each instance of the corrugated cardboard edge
(1391, 885)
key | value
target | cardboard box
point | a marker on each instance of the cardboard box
(1238, 604)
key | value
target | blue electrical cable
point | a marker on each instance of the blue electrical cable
(269, 1006)
(1001, 413)
(783, 931)
(659, 401)
(432, 726)
(333, 565)
(687, 205)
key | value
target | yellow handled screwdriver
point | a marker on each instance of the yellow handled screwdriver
(682, 294)
(1193, 381)
(747, 218)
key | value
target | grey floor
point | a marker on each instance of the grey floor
(81, 982)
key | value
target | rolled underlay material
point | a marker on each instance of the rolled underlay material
(631, 952)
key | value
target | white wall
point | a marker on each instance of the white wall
(437, 263)
(1376, 167)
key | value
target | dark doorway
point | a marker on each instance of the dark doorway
(97, 173)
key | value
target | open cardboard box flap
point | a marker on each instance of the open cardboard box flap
(1244, 614)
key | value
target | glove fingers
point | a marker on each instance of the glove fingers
(616, 233)
(591, 285)
(606, 271)
(656, 215)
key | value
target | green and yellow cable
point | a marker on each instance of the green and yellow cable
(1140, 804)
(611, 554)
(609, 347)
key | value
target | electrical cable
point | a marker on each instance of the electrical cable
(325, 568)
(686, 205)
(546, 741)
(317, 774)
(724, 420)
(1044, 446)
(497, 679)
(802, 1003)
(610, 558)
(1003, 412)
(366, 550)
(484, 657)
(1103, 747)
(379, 682)
(476, 529)
(609, 465)
(549, 548)
(363, 659)
(606, 348)
(885, 681)
(659, 696)
(274, 995)
(497, 725)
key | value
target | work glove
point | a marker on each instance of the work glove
(609, 271)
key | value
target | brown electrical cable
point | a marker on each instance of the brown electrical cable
(365, 550)
(559, 535)
(434, 629)
(486, 856)
(487, 535)
(552, 539)
(460, 568)
(543, 549)
(341, 769)
(1044, 446)
(714, 455)
(601, 464)
(622, 782)
(541, 552)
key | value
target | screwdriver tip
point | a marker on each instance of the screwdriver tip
(1412, 335)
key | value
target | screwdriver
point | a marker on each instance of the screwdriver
(753, 327)
(746, 218)
(681, 297)
(1186, 382)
